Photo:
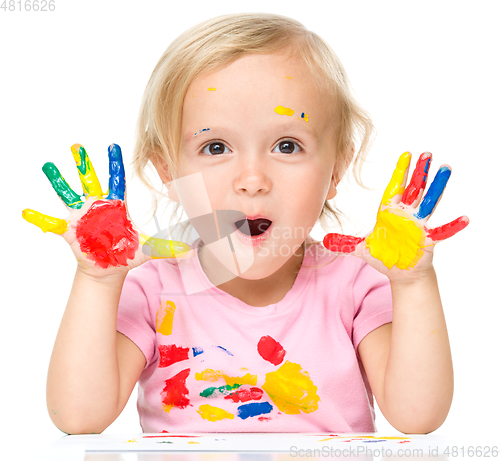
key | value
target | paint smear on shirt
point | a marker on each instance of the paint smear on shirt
(283, 110)
(254, 409)
(244, 395)
(271, 350)
(197, 351)
(175, 393)
(291, 389)
(396, 240)
(211, 413)
(213, 375)
(106, 235)
(216, 391)
(165, 317)
(172, 354)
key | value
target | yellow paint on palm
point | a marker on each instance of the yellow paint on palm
(213, 375)
(165, 318)
(161, 248)
(291, 389)
(396, 186)
(45, 222)
(396, 240)
(283, 110)
(212, 413)
(88, 177)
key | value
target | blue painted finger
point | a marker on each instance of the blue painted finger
(435, 191)
(116, 173)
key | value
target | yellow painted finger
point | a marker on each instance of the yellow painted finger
(88, 177)
(161, 248)
(45, 222)
(396, 184)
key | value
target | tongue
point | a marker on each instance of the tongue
(257, 226)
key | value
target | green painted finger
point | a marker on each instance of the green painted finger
(88, 177)
(68, 195)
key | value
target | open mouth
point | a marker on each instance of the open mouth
(256, 227)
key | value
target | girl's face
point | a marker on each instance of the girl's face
(262, 136)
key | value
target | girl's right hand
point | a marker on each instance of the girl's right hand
(99, 230)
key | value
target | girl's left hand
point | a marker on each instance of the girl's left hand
(401, 245)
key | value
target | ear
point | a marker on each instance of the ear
(162, 170)
(339, 169)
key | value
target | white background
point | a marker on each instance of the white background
(426, 71)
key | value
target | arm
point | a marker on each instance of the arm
(93, 369)
(408, 362)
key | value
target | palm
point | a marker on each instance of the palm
(401, 245)
(99, 230)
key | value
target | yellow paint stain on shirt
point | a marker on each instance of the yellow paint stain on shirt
(396, 240)
(395, 186)
(213, 375)
(283, 110)
(212, 413)
(45, 222)
(291, 389)
(165, 318)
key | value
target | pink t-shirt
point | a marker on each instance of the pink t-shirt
(216, 364)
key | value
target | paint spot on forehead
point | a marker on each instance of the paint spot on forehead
(289, 77)
(283, 110)
(201, 131)
(212, 89)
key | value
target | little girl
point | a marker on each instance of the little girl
(254, 327)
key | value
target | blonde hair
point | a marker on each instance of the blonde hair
(216, 43)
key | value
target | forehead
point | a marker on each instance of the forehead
(255, 85)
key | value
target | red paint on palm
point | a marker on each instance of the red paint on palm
(244, 395)
(341, 243)
(418, 179)
(448, 230)
(175, 393)
(172, 354)
(271, 350)
(106, 235)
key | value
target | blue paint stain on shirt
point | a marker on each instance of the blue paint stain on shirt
(225, 350)
(254, 409)
(197, 351)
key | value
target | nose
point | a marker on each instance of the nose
(253, 175)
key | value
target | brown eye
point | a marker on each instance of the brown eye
(215, 148)
(287, 147)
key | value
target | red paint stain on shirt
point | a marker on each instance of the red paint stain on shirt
(106, 234)
(244, 395)
(172, 354)
(175, 393)
(271, 350)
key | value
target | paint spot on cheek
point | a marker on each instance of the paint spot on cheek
(106, 235)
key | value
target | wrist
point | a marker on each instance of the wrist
(113, 279)
(417, 278)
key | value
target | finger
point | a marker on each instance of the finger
(67, 195)
(340, 243)
(418, 179)
(434, 193)
(448, 230)
(160, 248)
(45, 222)
(397, 183)
(90, 183)
(116, 173)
